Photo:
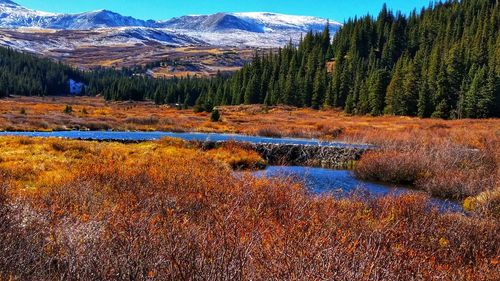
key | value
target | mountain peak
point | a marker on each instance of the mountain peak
(101, 11)
(255, 29)
(214, 22)
(8, 2)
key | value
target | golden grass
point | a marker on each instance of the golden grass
(34, 163)
(326, 124)
(165, 211)
(109, 63)
(427, 153)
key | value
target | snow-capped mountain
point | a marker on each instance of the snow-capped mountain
(92, 20)
(211, 23)
(246, 29)
(13, 15)
(22, 26)
(278, 22)
(251, 22)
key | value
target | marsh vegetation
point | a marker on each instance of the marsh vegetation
(166, 211)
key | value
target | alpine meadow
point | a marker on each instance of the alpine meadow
(250, 145)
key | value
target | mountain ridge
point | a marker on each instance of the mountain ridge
(15, 16)
(51, 34)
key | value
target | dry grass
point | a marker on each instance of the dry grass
(46, 114)
(34, 163)
(445, 171)
(238, 156)
(163, 211)
(455, 162)
(433, 155)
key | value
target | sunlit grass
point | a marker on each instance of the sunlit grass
(427, 153)
(167, 210)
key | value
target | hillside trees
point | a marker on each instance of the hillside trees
(442, 61)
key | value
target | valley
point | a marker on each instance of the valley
(104, 38)
(249, 145)
(203, 61)
(407, 153)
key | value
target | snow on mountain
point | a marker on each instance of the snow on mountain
(137, 35)
(43, 41)
(277, 22)
(92, 20)
(13, 15)
(251, 22)
(210, 23)
(248, 29)
(108, 28)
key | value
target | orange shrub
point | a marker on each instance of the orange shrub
(441, 168)
(238, 156)
(153, 211)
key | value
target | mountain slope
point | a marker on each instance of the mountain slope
(276, 22)
(251, 22)
(92, 20)
(58, 35)
(13, 15)
(212, 23)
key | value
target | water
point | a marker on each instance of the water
(318, 181)
(144, 136)
(342, 183)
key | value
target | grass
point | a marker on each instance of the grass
(453, 159)
(238, 156)
(34, 163)
(433, 155)
(167, 211)
(282, 120)
(466, 168)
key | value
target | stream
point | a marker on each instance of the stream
(317, 180)
(342, 183)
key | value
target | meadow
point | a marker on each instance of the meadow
(94, 113)
(172, 210)
(455, 159)
(168, 210)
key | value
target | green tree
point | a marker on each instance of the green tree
(377, 85)
(215, 116)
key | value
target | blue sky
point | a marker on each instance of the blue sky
(338, 10)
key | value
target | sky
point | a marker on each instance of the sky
(337, 10)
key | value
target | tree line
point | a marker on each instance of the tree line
(443, 62)
(28, 75)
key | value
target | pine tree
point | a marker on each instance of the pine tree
(319, 88)
(410, 89)
(442, 97)
(472, 108)
(424, 104)
(486, 102)
(377, 85)
(252, 90)
(395, 91)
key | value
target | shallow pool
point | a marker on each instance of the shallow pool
(343, 183)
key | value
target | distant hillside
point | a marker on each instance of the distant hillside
(107, 28)
(22, 74)
(28, 75)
